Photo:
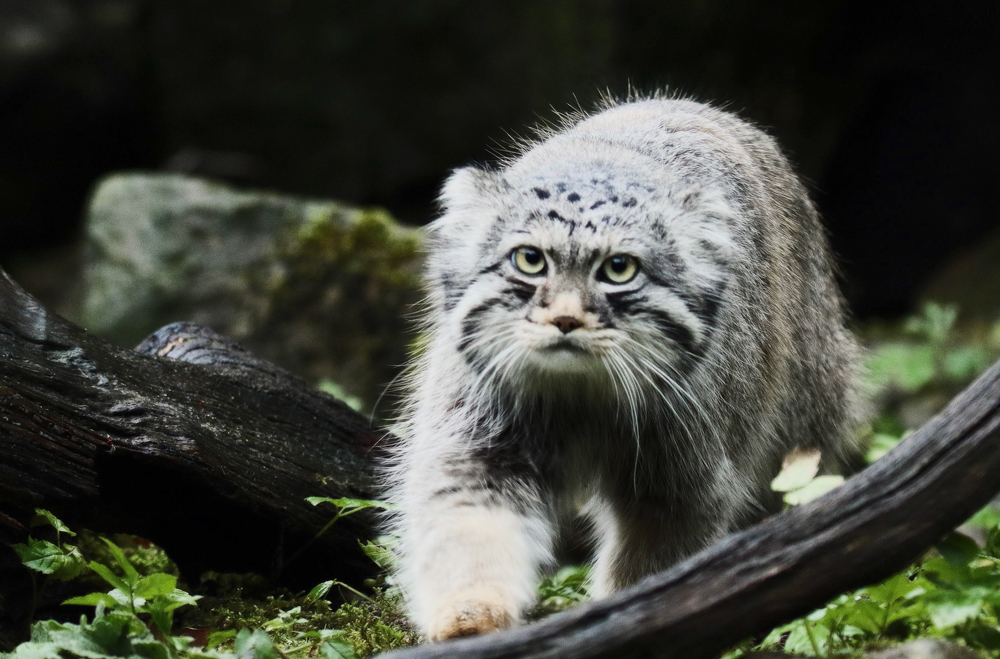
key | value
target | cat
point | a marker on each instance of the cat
(635, 317)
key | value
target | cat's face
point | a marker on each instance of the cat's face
(566, 277)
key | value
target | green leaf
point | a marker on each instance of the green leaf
(93, 599)
(47, 558)
(131, 576)
(964, 363)
(254, 645)
(215, 639)
(347, 505)
(987, 637)
(958, 549)
(320, 590)
(801, 639)
(175, 600)
(892, 589)
(992, 547)
(109, 576)
(155, 584)
(907, 366)
(43, 516)
(816, 488)
(865, 615)
(334, 389)
(987, 518)
(381, 555)
(336, 648)
(881, 444)
(948, 608)
(115, 635)
(162, 618)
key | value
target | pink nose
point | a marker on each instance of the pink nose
(567, 324)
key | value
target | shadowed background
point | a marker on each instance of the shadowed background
(888, 110)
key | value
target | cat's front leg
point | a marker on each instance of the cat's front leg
(473, 542)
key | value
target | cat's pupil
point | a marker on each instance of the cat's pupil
(618, 264)
(532, 256)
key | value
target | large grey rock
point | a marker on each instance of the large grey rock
(925, 649)
(319, 287)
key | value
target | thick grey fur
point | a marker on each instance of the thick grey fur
(667, 415)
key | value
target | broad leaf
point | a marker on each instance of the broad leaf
(47, 558)
(93, 599)
(155, 584)
(131, 576)
(381, 555)
(43, 516)
(347, 505)
(109, 576)
(336, 648)
(254, 645)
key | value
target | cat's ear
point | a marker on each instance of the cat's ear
(469, 188)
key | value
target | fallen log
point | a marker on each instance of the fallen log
(188, 441)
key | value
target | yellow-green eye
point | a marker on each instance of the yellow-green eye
(619, 269)
(528, 260)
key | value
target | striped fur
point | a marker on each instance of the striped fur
(666, 413)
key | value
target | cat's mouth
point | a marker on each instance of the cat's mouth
(564, 346)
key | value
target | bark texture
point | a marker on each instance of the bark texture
(188, 440)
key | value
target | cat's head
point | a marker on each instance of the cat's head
(583, 271)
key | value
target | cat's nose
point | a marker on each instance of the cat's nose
(567, 324)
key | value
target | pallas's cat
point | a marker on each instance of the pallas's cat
(636, 317)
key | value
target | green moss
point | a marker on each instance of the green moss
(294, 621)
(375, 626)
(368, 242)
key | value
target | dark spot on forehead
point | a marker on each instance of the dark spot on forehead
(573, 197)
(628, 203)
(598, 204)
(542, 193)
(560, 187)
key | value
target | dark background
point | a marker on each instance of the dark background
(889, 109)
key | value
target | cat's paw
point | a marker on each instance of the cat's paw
(469, 617)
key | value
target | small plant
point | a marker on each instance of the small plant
(119, 627)
(156, 594)
(562, 590)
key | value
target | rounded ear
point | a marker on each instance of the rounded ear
(467, 188)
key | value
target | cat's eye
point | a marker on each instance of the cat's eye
(619, 269)
(528, 260)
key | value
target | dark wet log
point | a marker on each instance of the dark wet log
(791, 564)
(189, 441)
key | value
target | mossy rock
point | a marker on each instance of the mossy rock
(320, 287)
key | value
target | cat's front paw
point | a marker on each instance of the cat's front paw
(469, 617)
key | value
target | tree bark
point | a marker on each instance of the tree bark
(188, 441)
